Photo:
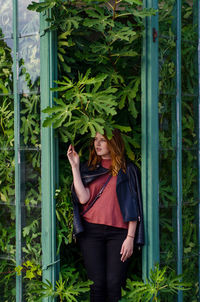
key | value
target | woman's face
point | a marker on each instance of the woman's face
(101, 146)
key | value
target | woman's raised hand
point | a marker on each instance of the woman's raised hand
(73, 157)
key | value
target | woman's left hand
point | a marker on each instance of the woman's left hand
(127, 248)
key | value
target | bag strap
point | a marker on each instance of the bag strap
(97, 196)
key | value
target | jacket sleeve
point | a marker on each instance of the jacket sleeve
(135, 181)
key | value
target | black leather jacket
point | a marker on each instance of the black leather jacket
(128, 192)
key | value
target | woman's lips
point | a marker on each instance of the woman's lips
(98, 149)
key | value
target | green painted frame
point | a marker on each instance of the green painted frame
(150, 140)
(17, 151)
(49, 148)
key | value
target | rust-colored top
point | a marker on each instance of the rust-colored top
(106, 209)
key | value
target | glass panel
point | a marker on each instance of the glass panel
(7, 177)
(190, 249)
(167, 210)
(6, 18)
(7, 167)
(29, 54)
(7, 225)
(6, 61)
(190, 173)
(30, 121)
(188, 123)
(165, 122)
(168, 124)
(7, 280)
(7, 231)
(167, 49)
(28, 20)
(31, 213)
(189, 49)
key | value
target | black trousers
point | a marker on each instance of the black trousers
(100, 246)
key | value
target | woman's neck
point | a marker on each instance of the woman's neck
(106, 157)
(106, 162)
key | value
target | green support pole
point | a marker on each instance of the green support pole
(48, 165)
(150, 140)
(198, 157)
(17, 151)
(179, 146)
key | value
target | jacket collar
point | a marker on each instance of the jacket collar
(88, 175)
(121, 177)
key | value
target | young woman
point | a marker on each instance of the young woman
(107, 229)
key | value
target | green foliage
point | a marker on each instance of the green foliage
(40, 7)
(83, 106)
(99, 62)
(99, 52)
(167, 85)
(68, 288)
(31, 270)
(30, 171)
(159, 282)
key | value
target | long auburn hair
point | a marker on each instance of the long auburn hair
(116, 148)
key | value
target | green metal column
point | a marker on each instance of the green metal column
(198, 158)
(150, 140)
(17, 151)
(48, 74)
(179, 146)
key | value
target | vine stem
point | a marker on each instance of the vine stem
(114, 10)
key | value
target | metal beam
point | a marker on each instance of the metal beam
(178, 117)
(198, 157)
(17, 151)
(48, 162)
(150, 140)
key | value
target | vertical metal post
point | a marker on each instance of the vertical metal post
(198, 8)
(17, 151)
(150, 140)
(48, 171)
(179, 145)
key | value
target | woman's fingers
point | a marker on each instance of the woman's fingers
(126, 251)
(73, 157)
(125, 256)
(69, 149)
(123, 253)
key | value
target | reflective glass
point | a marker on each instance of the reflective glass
(7, 226)
(6, 18)
(7, 166)
(7, 281)
(167, 155)
(167, 204)
(30, 121)
(190, 176)
(31, 213)
(28, 20)
(189, 106)
(168, 237)
(6, 61)
(29, 55)
(165, 122)
(190, 272)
